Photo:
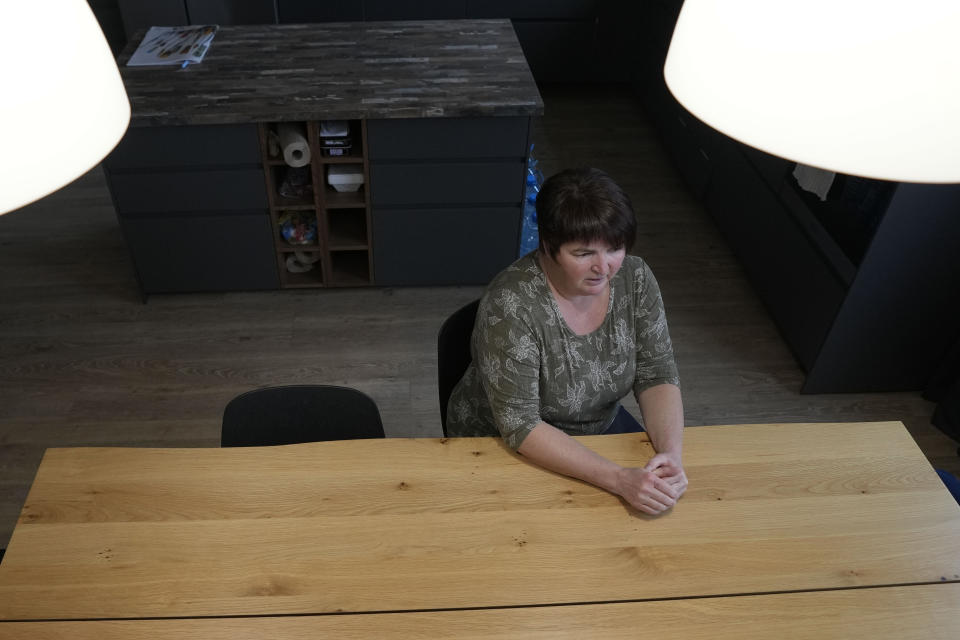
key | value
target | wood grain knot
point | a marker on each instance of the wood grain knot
(271, 586)
(403, 486)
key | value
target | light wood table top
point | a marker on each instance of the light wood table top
(922, 612)
(429, 524)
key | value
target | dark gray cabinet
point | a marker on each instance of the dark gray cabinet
(145, 148)
(559, 37)
(901, 313)
(358, 10)
(863, 286)
(413, 9)
(192, 207)
(192, 190)
(560, 50)
(801, 290)
(445, 193)
(294, 11)
(426, 138)
(444, 245)
(446, 196)
(231, 11)
(142, 14)
(438, 183)
(394, 200)
(210, 252)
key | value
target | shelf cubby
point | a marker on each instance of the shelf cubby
(346, 229)
(343, 218)
(312, 278)
(350, 268)
(334, 199)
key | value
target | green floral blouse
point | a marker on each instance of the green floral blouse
(529, 366)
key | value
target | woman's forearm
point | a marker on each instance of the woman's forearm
(552, 449)
(662, 409)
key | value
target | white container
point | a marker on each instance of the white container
(345, 177)
(334, 128)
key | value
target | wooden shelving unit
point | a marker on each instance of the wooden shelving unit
(343, 248)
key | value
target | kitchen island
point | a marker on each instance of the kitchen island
(437, 114)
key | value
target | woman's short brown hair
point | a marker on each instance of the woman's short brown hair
(584, 205)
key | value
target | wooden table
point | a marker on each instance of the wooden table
(815, 528)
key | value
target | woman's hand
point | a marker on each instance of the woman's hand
(646, 490)
(651, 490)
(669, 468)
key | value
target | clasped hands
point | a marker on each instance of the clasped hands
(656, 487)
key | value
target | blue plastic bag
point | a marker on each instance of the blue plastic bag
(529, 232)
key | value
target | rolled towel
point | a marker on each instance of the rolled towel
(293, 143)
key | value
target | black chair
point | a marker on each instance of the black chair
(453, 353)
(299, 413)
(952, 483)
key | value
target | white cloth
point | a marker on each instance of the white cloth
(816, 181)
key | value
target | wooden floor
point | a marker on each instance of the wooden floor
(84, 362)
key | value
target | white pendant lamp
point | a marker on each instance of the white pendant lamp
(63, 106)
(863, 87)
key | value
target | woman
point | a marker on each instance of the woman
(567, 331)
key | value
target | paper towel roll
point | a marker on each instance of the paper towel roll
(293, 142)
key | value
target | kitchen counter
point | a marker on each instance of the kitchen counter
(349, 70)
(439, 114)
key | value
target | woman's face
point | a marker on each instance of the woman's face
(586, 267)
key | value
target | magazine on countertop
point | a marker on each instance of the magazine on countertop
(173, 45)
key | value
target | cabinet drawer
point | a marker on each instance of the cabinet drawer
(447, 183)
(231, 12)
(561, 50)
(194, 146)
(429, 138)
(556, 9)
(202, 252)
(686, 140)
(413, 9)
(435, 246)
(140, 14)
(314, 11)
(800, 289)
(136, 193)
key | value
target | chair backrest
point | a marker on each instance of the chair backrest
(952, 483)
(453, 353)
(299, 413)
